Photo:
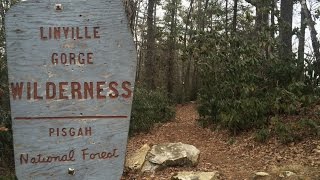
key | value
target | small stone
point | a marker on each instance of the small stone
(278, 158)
(262, 174)
(196, 175)
(287, 174)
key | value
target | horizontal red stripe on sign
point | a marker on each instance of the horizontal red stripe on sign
(70, 117)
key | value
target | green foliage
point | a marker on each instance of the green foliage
(284, 101)
(231, 141)
(284, 133)
(312, 127)
(248, 84)
(236, 94)
(149, 107)
(262, 135)
(6, 142)
(8, 177)
(290, 129)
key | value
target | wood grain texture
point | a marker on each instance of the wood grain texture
(29, 60)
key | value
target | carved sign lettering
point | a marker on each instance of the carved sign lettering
(71, 77)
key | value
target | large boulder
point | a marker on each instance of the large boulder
(150, 167)
(137, 159)
(196, 176)
(171, 154)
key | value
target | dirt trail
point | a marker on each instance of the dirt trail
(234, 157)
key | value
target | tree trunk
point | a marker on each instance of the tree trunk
(273, 28)
(301, 44)
(235, 12)
(262, 13)
(285, 26)
(186, 83)
(138, 48)
(313, 34)
(204, 15)
(262, 17)
(150, 57)
(130, 8)
(172, 47)
(226, 18)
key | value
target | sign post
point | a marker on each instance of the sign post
(71, 68)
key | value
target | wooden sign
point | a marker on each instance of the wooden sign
(71, 75)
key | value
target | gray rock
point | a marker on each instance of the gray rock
(261, 175)
(287, 174)
(137, 159)
(171, 154)
(317, 150)
(196, 176)
(174, 154)
(150, 167)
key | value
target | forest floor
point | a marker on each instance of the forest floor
(236, 157)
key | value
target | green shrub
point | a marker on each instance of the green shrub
(236, 94)
(243, 114)
(148, 108)
(243, 87)
(291, 130)
(310, 126)
(12, 177)
(262, 135)
(6, 143)
(285, 133)
(285, 102)
(235, 114)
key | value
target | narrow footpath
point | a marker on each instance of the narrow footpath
(234, 157)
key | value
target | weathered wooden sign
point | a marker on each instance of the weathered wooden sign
(71, 76)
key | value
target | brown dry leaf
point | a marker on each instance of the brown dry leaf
(3, 129)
